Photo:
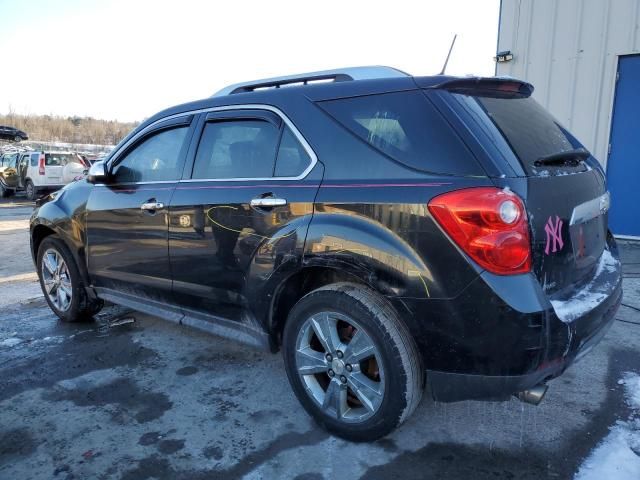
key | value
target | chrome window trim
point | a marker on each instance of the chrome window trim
(224, 108)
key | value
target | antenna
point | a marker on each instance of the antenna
(444, 67)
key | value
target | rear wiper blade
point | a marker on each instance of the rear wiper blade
(568, 157)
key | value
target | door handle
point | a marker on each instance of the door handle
(152, 206)
(268, 202)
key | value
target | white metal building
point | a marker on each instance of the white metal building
(582, 56)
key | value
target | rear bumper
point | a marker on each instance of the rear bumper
(503, 335)
(582, 335)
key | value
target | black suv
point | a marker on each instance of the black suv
(386, 231)
(11, 133)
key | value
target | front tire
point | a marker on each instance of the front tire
(352, 362)
(61, 282)
(31, 191)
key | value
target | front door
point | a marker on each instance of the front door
(23, 167)
(10, 172)
(241, 216)
(623, 164)
(127, 229)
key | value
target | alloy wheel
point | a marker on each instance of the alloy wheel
(56, 279)
(340, 367)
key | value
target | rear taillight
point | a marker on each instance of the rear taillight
(41, 165)
(489, 224)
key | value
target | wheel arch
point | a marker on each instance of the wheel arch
(38, 233)
(305, 280)
(41, 230)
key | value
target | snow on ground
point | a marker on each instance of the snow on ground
(617, 457)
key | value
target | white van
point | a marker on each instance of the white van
(41, 171)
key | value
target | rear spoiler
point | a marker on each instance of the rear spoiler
(501, 87)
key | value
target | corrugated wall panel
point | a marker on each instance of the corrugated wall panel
(568, 49)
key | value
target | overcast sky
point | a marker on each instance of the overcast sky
(126, 60)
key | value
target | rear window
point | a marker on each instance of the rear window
(406, 127)
(61, 159)
(529, 129)
(34, 159)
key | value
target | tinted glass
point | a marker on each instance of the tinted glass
(60, 159)
(156, 159)
(236, 149)
(34, 159)
(408, 128)
(529, 129)
(293, 159)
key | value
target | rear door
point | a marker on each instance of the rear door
(240, 216)
(127, 218)
(565, 196)
(53, 165)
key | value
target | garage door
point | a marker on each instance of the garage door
(623, 166)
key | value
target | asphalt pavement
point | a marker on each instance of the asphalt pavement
(134, 397)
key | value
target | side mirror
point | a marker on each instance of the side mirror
(97, 173)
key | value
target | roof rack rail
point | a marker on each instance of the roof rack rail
(338, 75)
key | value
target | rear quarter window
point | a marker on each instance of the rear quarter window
(406, 127)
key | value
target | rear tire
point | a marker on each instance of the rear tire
(30, 190)
(352, 362)
(17, 138)
(62, 284)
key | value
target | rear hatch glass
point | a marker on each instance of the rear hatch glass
(60, 166)
(533, 134)
(566, 199)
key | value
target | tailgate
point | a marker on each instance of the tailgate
(565, 193)
(55, 165)
(568, 220)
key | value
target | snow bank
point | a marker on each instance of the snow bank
(589, 297)
(617, 457)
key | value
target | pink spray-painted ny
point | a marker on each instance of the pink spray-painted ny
(554, 235)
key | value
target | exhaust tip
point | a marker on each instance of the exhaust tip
(534, 395)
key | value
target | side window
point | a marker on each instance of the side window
(155, 159)
(406, 127)
(34, 159)
(292, 159)
(236, 149)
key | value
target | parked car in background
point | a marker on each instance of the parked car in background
(37, 172)
(385, 231)
(13, 134)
